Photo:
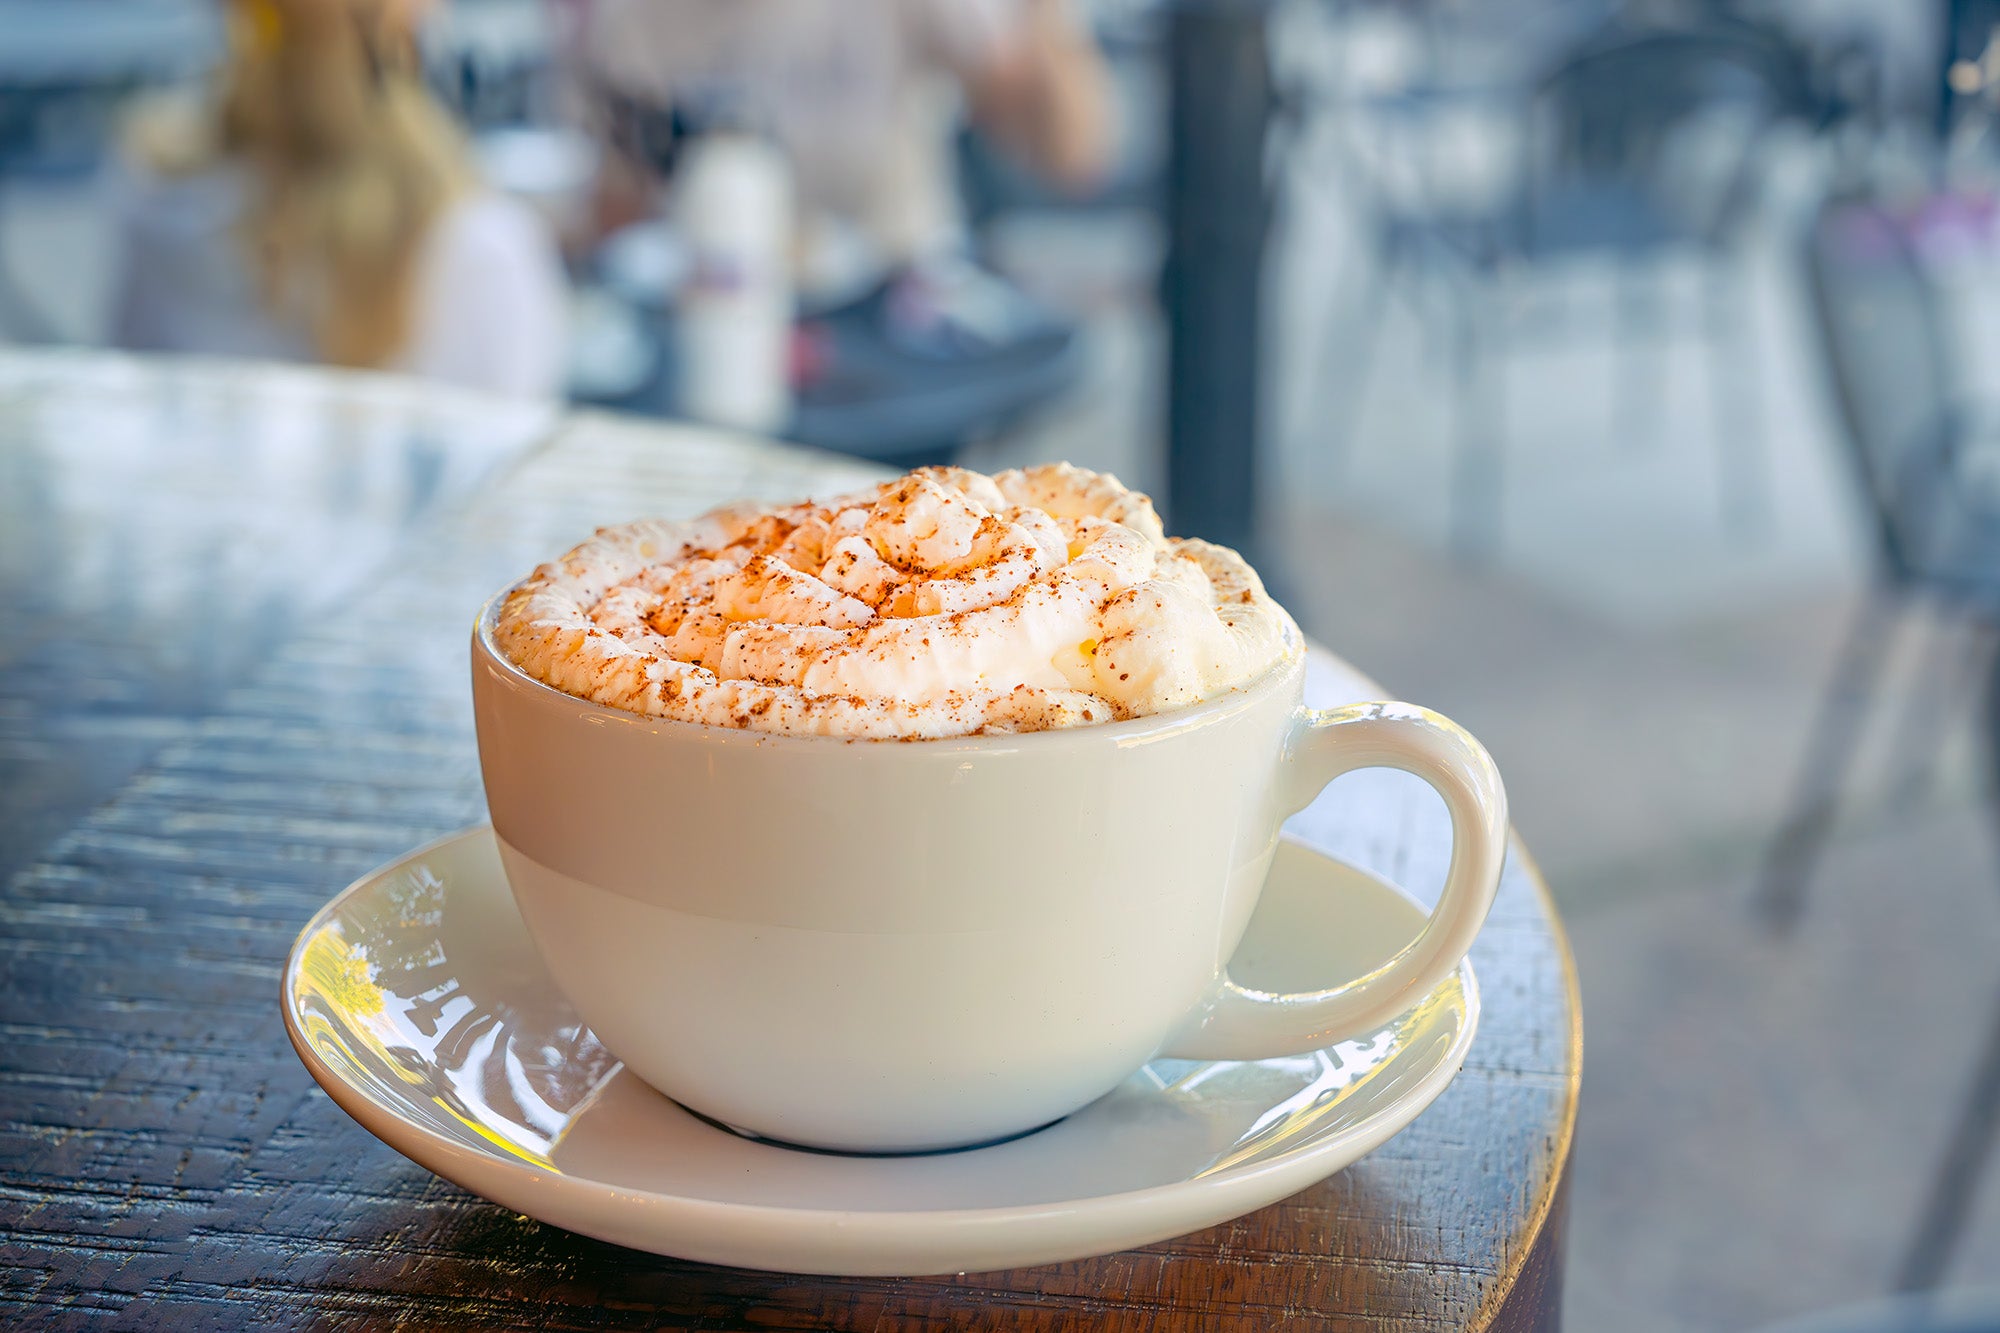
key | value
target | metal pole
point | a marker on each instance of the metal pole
(1218, 217)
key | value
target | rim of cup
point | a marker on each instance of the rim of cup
(1238, 698)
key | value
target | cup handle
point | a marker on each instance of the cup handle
(1236, 1023)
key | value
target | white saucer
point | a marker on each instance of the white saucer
(418, 1003)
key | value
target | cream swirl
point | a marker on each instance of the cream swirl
(943, 603)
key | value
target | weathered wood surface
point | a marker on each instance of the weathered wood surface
(163, 531)
(164, 1159)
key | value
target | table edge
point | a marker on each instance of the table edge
(1559, 1154)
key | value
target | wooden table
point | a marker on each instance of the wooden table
(234, 680)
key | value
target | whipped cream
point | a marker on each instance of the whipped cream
(944, 603)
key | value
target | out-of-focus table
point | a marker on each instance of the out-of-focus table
(233, 680)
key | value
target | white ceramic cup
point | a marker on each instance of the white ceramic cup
(884, 946)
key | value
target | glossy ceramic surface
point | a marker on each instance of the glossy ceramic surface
(956, 940)
(417, 1001)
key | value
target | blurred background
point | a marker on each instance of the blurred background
(1617, 378)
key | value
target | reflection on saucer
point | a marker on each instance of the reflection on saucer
(417, 1001)
(381, 992)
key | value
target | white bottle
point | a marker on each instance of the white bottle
(734, 204)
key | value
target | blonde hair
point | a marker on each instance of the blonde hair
(351, 161)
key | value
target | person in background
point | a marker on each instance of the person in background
(321, 207)
(865, 97)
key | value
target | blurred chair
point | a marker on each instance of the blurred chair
(1643, 142)
(1929, 471)
(935, 358)
(932, 359)
(1914, 443)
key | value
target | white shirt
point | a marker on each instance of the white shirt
(861, 94)
(490, 309)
